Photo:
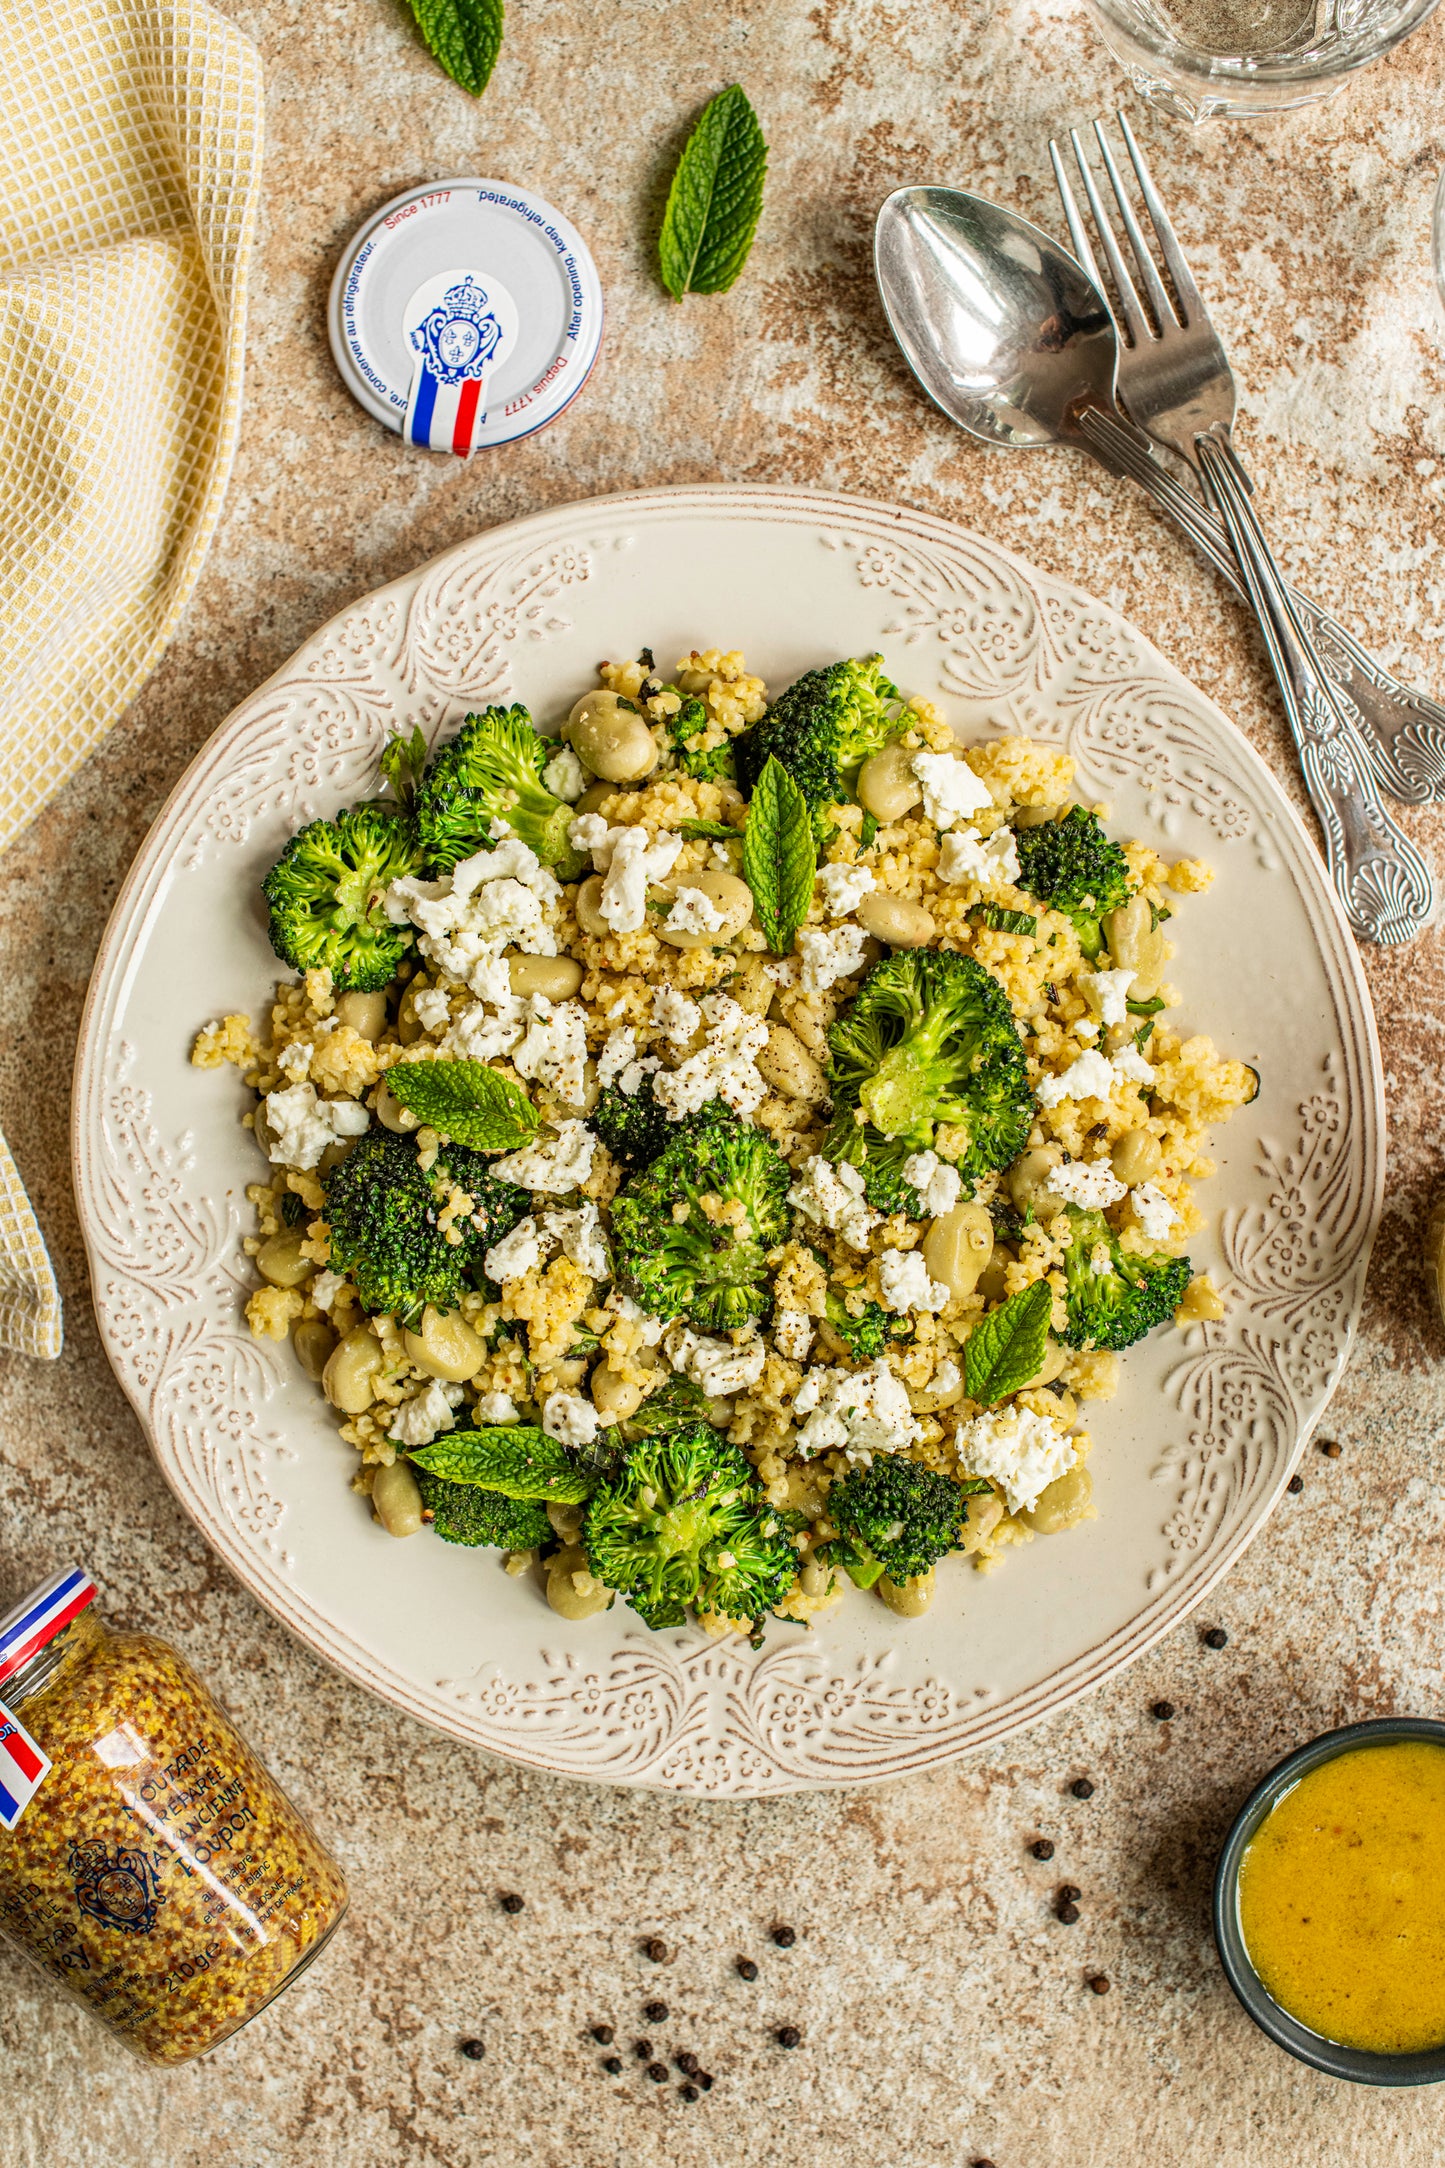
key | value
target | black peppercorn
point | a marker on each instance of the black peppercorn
(704, 2079)
(687, 2063)
(1098, 1981)
(784, 1937)
(789, 2036)
(613, 2066)
(656, 1949)
(1042, 1848)
(603, 2035)
(642, 2049)
(1216, 1638)
(1069, 1893)
(655, 2013)
(1082, 1788)
(1329, 1448)
(980, 2164)
(473, 2050)
(688, 2092)
(1295, 1485)
(658, 2073)
(1068, 1912)
(747, 1970)
(1161, 1711)
(511, 1902)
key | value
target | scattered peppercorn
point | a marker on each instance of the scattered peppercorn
(1067, 1912)
(1042, 1848)
(704, 2079)
(473, 2050)
(1216, 1638)
(784, 1937)
(688, 2092)
(603, 2035)
(1161, 1711)
(980, 2164)
(655, 2013)
(613, 2066)
(1329, 1448)
(1069, 1893)
(687, 2063)
(658, 2073)
(511, 1902)
(1082, 1788)
(642, 2049)
(789, 2036)
(656, 1949)
(747, 1970)
(1295, 1485)
(1098, 1981)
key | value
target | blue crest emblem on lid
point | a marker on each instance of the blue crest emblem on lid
(460, 335)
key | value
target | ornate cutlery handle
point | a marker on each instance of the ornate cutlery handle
(1402, 731)
(1378, 875)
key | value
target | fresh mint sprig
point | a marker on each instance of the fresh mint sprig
(517, 1459)
(466, 1100)
(715, 198)
(462, 36)
(780, 857)
(1007, 1349)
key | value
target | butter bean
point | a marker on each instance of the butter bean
(556, 978)
(446, 1347)
(594, 798)
(786, 1064)
(1027, 1180)
(958, 1246)
(981, 1517)
(1137, 1156)
(1055, 1357)
(408, 1023)
(313, 1342)
(393, 1115)
(614, 1396)
(588, 906)
(908, 1599)
(1137, 945)
(896, 920)
(572, 1591)
(1068, 1500)
(610, 739)
(397, 1500)
(887, 786)
(726, 893)
(1034, 816)
(349, 1379)
(280, 1260)
(365, 1013)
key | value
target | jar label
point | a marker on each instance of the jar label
(23, 1768)
(460, 326)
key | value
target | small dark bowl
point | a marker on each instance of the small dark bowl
(1424, 2067)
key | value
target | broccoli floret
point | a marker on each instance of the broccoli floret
(1116, 1305)
(677, 1404)
(461, 1513)
(1071, 865)
(632, 1125)
(822, 729)
(929, 1038)
(864, 1337)
(326, 891)
(897, 1517)
(492, 769)
(710, 764)
(678, 1260)
(382, 1210)
(684, 1523)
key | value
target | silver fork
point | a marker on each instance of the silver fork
(1176, 380)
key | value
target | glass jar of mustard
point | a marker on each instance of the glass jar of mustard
(147, 1860)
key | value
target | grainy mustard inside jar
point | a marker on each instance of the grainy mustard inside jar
(148, 1862)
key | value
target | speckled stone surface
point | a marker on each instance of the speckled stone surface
(944, 2011)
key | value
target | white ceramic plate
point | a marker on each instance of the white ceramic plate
(1188, 1460)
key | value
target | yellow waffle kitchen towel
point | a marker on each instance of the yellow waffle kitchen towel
(130, 165)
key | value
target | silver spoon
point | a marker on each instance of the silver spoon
(1010, 336)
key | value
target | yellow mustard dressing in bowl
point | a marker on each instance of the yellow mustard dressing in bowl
(1342, 1898)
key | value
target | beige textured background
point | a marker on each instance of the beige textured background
(944, 2009)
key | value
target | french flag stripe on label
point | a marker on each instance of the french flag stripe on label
(54, 1607)
(23, 1768)
(444, 416)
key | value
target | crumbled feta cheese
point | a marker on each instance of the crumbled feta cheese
(562, 1164)
(1022, 1451)
(1152, 1209)
(432, 1006)
(492, 900)
(495, 1408)
(793, 1332)
(630, 1081)
(623, 1306)
(1086, 1029)
(907, 1283)
(569, 1418)
(946, 1379)
(302, 1127)
(294, 1061)
(831, 1196)
(564, 775)
(620, 1049)
(481, 1032)
(554, 1050)
(580, 1236)
(348, 1118)
(516, 1253)
(844, 888)
(1092, 1184)
(1130, 1065)
(1109, 990)
(677, 1018)
(966, 856)
(939, 1186)
(830, 954)
(1090, 1077)
(951, 790)
(693, 912)
(725, 1067)
(418, 1420)
(857, 1412)
(325, 1288)
(717, 1366)
(637, 860)
(590, 832)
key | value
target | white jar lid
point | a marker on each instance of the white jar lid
(465, 313)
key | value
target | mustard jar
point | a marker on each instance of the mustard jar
(148, 1862)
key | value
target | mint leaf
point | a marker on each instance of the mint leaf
(1004, 1352)
(462, 36)
(466, 1100)
(516, 1459)
(998, 920)
(780, 858)
(718, 831)
(715, 198)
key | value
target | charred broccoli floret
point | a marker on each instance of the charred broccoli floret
(462, 1513)
(382, 1209)
(707, 1266)
(684, 1523)
(709, 763)
(677, 1404)
(1114, 1298)
(326, 897)
(929, 1039)
(1071, 865)
(631, 1124)
(822, 729)
(867, 1335)
(492, 769)
(896, 1517)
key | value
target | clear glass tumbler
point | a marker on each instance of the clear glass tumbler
(1201, 59)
